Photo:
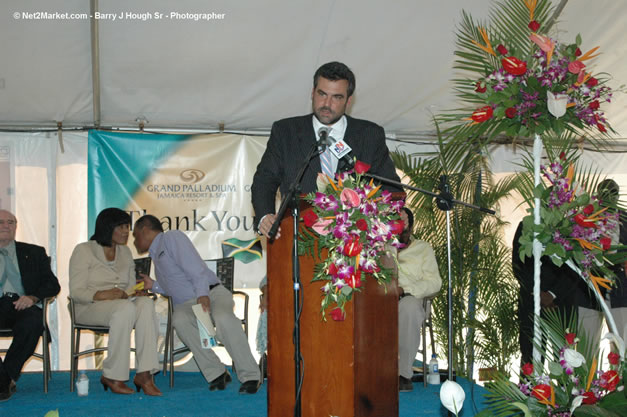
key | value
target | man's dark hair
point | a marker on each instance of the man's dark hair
(410, 219)
(107, 220)
(149, 221)
(336, 71)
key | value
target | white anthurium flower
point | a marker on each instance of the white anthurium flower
(618, 342)
(573, 358)
(556, 103)
(452, 396)
(576, 403)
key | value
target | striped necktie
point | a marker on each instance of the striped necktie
(325, 163)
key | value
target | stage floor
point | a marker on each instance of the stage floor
(189, 397)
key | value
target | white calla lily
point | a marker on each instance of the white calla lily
(618, 342)
(573, 358)
(576, 403)
(452, 396)
(556, 103)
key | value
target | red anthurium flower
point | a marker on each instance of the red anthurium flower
(614, 358)
(601, 128)
(362, 225)
(592, 82)
(575, 67)
(589, 398)
(353, 247)
(594, 105)
(605, 242)
(354, 280)
(533, 25)
(396, 227)
(514, 65)
(502, 49)
(309, 217)
(581, 220)
(510, 112)
(570, 338)
(527, 369)
(337, 314)
(480, 88)
(609, 380)
(542, 392)
(482, 114)
(577, 52)
(361, 167)
(588, 210)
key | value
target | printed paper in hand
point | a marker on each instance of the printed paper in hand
(205, 327)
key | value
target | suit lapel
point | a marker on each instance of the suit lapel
(307, 138)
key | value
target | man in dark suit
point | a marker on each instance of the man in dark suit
(291, 140)
(25, 280)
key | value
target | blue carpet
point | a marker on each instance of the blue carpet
(189, 397)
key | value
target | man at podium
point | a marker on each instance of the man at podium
(291, 139)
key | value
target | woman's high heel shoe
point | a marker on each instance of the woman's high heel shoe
(144, 381)
(117, 387)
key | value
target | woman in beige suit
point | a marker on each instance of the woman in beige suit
(102, 274)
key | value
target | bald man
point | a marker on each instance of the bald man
(25, 280)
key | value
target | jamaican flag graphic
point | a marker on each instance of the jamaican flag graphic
(245, 251)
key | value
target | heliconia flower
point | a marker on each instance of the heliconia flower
(556, 103)
(482, 114)
(396, 226)
(502, 50)
(362, 224)
(588, 210)
(480, 87)
(487, 47)
(309, 217)
(350, 198)
(589, 398)
(609, 380)
(510, 112)
(322, 226)
(606, 243)
(576, 67)
(573, 358)
(533, 25)
(527, 369)
(592, 82)
(361, 167)
(353, 247)
(613, 358)
(337, 314)
(513, 65)
(452, 396)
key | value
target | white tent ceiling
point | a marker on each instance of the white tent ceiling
(255, 64)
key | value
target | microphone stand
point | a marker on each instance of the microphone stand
(292, 197)
(445, 202)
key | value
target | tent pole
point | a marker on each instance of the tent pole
(95, 62)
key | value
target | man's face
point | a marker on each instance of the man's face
(140, 239)
(8, 226)
(329, 100)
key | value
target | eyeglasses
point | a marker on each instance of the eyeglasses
(9, 222)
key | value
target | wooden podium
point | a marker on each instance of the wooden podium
(351, 366)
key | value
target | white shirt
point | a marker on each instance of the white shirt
(336, 131)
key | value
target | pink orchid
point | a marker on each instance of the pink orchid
(350, 198)
(322, 226)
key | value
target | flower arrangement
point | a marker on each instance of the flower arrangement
(354, 220)
(542, 86)
(572, 384)
(574, 225)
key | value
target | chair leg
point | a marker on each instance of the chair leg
(46, 359)
(171, 355)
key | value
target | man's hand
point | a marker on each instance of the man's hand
(266, 224)
(112, 294)
(25, 301)
(546, 299)
(148, 282)
(204, 302)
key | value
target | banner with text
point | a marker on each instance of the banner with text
(199, 184)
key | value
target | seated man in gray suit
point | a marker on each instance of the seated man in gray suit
(291, 139)
(25, 280)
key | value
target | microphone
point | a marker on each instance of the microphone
(323, 142)
(340, 150)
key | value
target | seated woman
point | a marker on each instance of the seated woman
(102, 274)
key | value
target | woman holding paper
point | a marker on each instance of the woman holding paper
(102, 278)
